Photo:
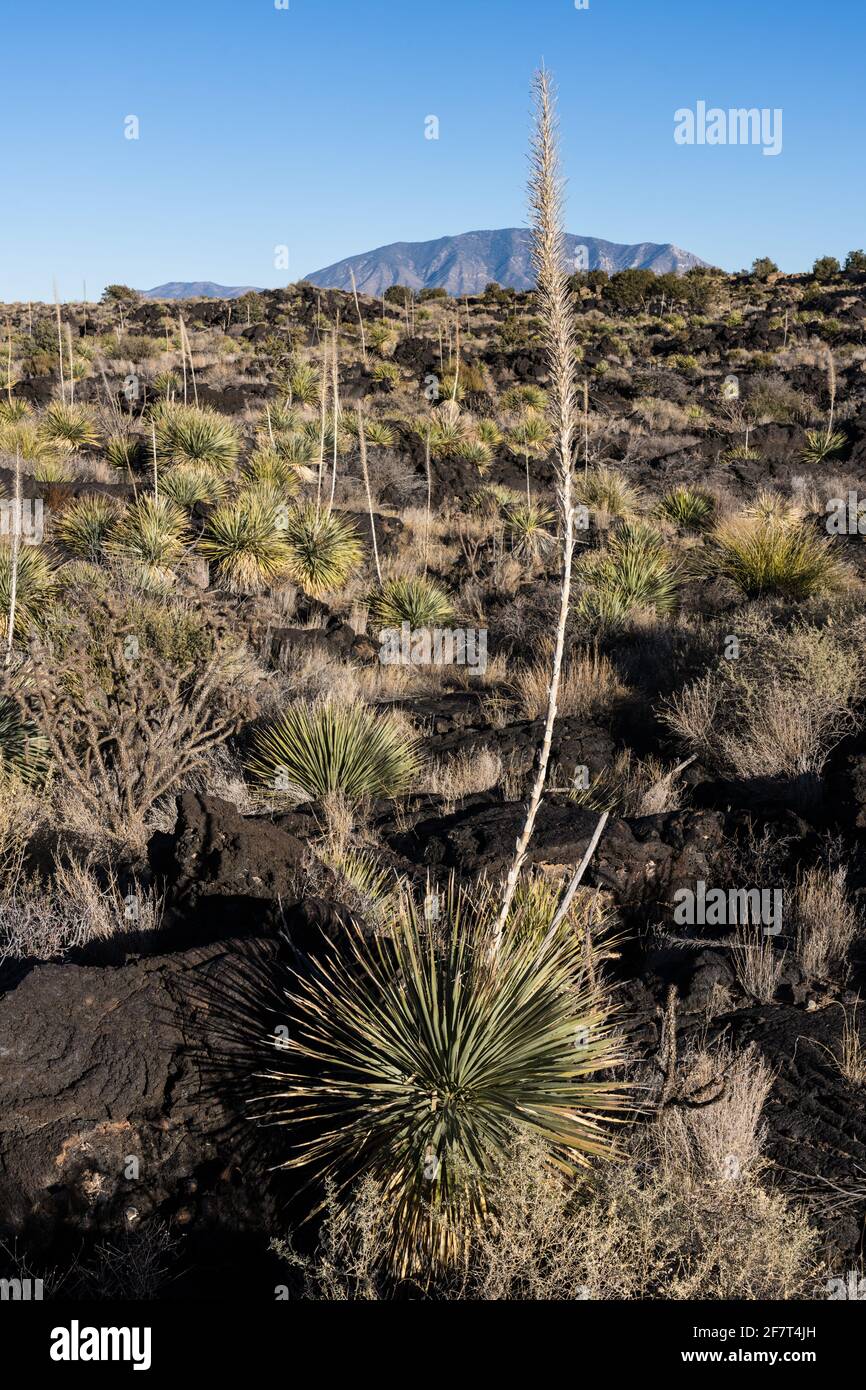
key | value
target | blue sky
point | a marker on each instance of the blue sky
(262, 127)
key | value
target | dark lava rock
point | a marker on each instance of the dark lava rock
(637, 860)
(222, 869)
(124, 1093)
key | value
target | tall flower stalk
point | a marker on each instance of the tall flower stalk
(556, 311)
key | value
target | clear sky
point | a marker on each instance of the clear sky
(305, 127)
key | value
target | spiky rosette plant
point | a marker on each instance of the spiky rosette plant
(271, 467)
(194, 434)
(35, 587)
(323, 548)
(413, 1059)
(823, 444)
(152, 530)
(71, 426)
(23, 750)
(687, 507)
(244, 542)
(321, 746)
(635, 573)
(303, 383)
(85, 525)
(527, 526)
(189, 483)
(416, 601)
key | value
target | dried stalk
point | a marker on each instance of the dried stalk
(557, 315)
(362, 445)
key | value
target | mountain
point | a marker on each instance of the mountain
(466, 264)
(197, 289)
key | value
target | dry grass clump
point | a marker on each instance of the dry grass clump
(589, 684)
(774, 554)
(779, 709)
(44, 921)
(633, 786)
(606, 491)
(825, 919)
(462, 775)
(721, 1139)
(758, 960)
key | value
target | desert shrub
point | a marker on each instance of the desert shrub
(322, 548)
(126, 740)
(45, 921)
(772, 398)
(419, 1060)
(417, 601)
(85, 525)
(315, 748)
(778, 710)
(825, 920)
(244, 542)
(152, 530)
(194, 434)
(638, 1230)
(634, 574)
(765, 556)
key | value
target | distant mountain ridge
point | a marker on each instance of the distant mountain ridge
(198, 289)
(463, 264)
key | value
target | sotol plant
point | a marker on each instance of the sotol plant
(413, 1061)
(418, 602)
(194, 434)
(85, 525)
(244, 542)
(151, 530)
(322, 548)
(634, 573)
(325, 746)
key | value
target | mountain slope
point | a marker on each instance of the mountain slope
(465, 264)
